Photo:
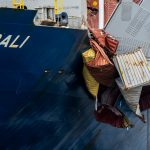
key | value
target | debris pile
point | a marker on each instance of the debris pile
(118, 64)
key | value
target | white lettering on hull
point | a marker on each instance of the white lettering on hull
(6, 41)
(12, 45)
(13, 42)
(24, 42)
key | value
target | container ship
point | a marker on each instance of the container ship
(44, 104)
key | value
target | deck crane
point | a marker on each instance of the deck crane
(18, 4)
(58, 6)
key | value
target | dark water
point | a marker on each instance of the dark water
(58, 121)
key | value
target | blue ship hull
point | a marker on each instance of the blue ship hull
(37, 65)
(44, 104)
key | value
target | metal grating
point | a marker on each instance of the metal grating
(133, 68)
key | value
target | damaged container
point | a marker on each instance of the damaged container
(91, 84)
(107, 112)
(101, 68)
(132, 97)
(133, 68)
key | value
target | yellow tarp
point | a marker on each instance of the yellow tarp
(91, 84)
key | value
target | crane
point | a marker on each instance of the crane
(58, 6)
(18, 4)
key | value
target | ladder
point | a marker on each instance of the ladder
(18, 4)
(58, 6)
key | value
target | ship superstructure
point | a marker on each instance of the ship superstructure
(76, 10)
